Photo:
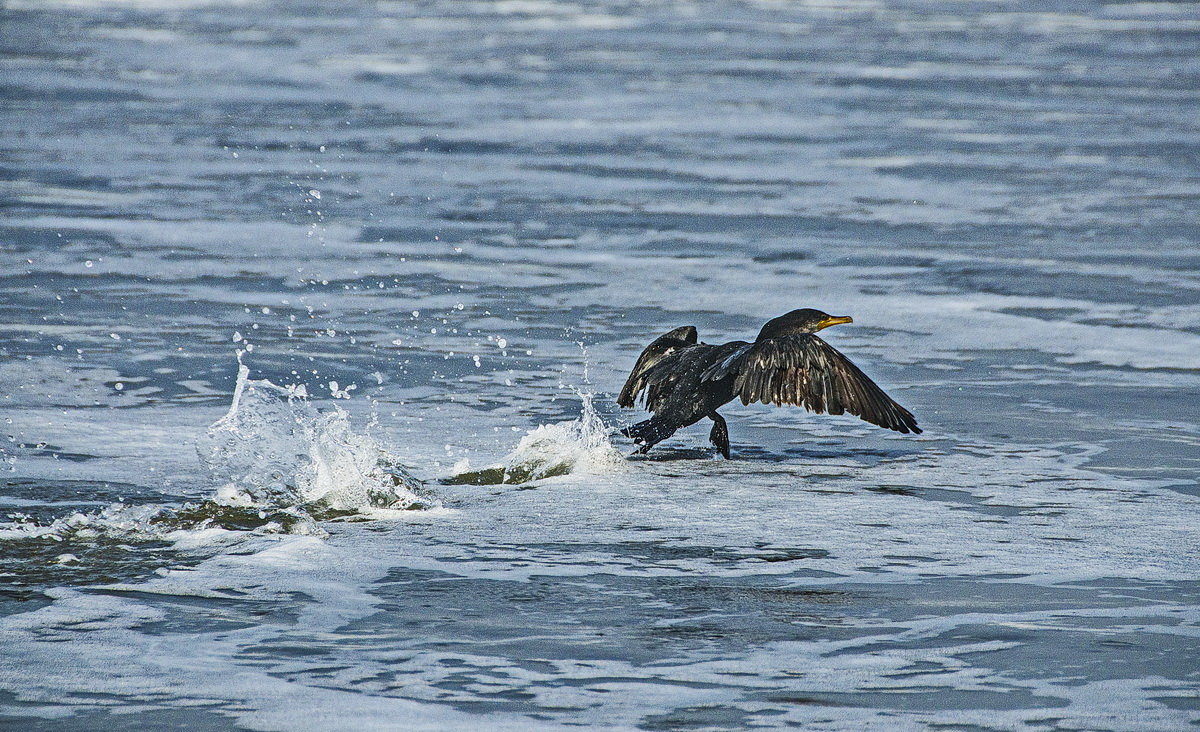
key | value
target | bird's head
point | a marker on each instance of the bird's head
(805, 320)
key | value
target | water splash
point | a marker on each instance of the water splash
(273, 449)
(580, 445)
(281, 466)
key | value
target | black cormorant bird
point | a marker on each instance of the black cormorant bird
(682, 380)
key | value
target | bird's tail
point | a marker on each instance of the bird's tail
(649, 432)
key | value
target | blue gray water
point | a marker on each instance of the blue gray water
(436, 234)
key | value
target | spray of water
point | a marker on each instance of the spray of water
(279, 465)
(274, 449)
(579, 445)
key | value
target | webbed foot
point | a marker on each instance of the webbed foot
(719, 436)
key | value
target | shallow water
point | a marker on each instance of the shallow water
(428, 229)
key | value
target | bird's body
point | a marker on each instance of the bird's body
(682, 380)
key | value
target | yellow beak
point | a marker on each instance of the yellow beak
(835, 320)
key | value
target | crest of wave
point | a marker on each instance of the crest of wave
(579, 445)
(275, 450)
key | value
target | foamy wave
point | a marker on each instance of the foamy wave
(274, 449)
(116, 520)
(119, 521)
(579, 445)
(280, 464)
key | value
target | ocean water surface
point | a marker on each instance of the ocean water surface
(312, 317)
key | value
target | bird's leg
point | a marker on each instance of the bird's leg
(649, 433)
(720, 433)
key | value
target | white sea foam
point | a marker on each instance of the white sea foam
(579, 446)
(274, 449)
(114, 521)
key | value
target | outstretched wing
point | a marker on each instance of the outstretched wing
(808, 372)
(660, 348)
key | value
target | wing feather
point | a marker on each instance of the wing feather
(805, 371)
(679, 367)
(659, 349)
